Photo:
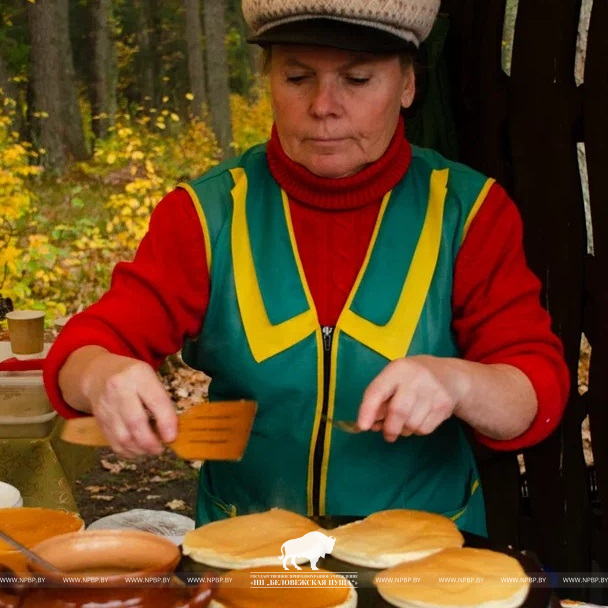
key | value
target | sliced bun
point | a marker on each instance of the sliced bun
(326, 590)
(455, 578)
(386, 538)
(246, 540)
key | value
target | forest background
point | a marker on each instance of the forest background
(105, 105)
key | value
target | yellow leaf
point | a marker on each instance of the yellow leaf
(189, 96)
(174, 117)
(111, 158)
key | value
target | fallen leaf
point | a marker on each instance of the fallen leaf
(118, 466)
(176, 505)
(95, 489)
(171, 474)
(102, 497)
(152, 496)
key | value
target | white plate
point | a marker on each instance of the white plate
(164, 523)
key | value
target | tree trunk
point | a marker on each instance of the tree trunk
(218, 91)
(73, 131)
(45, 79)
(196, 69)
(252, 54)
(104, 71)
(148, 52)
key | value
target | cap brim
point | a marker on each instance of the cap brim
(335, 34)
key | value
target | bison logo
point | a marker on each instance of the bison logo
(311, 546)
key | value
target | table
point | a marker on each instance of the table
(45, 469)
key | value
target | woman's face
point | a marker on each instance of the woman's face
(336, 111)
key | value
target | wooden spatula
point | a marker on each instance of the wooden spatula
(207, 431)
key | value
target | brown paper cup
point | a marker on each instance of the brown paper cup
(26, 333)
(61, 322)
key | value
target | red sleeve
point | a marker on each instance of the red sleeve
(498, 317)
(153, 303)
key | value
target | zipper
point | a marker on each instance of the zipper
(319, 451)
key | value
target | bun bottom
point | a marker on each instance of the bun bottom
(511, 602)
(350, 602)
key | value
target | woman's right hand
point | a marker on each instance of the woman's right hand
(123, 394)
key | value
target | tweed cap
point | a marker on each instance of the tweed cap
(367, 25)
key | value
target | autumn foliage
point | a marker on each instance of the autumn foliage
(60, 236)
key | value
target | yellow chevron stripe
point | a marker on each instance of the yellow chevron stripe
(476, 206)
(264, 338)
(462, 511)
(393, 339)
(203, 220)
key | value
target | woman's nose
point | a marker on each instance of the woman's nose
(325, 100)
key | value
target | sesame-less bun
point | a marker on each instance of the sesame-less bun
(303, 588)
(246, 540)
(386, 538)
(455, 578)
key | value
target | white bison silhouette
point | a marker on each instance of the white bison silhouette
(312, 546)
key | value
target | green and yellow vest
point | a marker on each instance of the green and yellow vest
(261, 340)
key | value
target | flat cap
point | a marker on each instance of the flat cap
(372, 25)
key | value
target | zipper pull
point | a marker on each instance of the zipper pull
(327, 332)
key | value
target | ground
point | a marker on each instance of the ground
(114, 485)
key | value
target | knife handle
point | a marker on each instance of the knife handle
(83, 431)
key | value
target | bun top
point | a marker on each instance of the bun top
(237, 589)
(248, 536)
(477, 577)
(399, 531)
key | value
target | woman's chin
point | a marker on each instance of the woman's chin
(331, 168)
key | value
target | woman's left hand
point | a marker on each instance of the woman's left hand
(411, 396)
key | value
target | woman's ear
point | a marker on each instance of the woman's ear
(409, 87)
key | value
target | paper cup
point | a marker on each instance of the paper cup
(60, 323)
(26, 333)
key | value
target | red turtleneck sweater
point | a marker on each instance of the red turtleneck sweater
(162, 295)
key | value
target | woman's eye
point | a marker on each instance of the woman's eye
(357, 80)
(296, 79)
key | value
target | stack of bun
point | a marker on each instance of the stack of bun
(455, 578)
(426, 565)
(246, 540)
(387, 538)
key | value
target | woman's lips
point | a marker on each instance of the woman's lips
(326, 142)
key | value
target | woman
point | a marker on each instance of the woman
(336, 272)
